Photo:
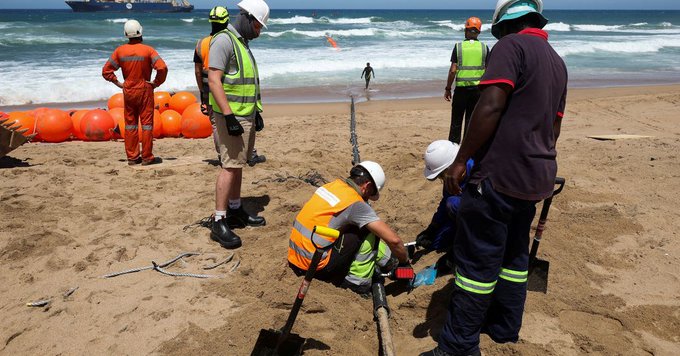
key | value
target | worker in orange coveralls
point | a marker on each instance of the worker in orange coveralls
(136, 61)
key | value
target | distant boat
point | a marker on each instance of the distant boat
(130, 5)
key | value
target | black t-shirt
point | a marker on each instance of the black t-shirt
(519, 159)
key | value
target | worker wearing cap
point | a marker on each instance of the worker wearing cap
(235, 100)
(366, 241)
(136, 60)
(468, 61)
(512, 137)
(441, 232)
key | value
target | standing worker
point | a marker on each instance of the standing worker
(235, 100)
(136, 60)
(513, 134)
(219, 19)
(367, 73)
(366, 241)
(468, 61)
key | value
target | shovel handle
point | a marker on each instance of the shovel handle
(543, 218)
(304, 286)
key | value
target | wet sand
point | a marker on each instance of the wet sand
(73, 212)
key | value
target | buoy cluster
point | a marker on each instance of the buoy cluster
(175, 115)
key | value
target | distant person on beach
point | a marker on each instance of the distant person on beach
(441, 232)
(367, 73)
(513, 133)
(366, 241)
(468, 61)
(136, 60)
(219, 19)
(236, 106)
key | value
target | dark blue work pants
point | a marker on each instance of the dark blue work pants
(492, 238)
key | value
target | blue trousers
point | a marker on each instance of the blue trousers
(492, 255)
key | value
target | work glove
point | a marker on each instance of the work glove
(425, 238)
(233, 126)
(259, 122)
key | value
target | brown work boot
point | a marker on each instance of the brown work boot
(132, 162)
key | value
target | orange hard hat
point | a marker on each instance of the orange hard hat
(474, 22)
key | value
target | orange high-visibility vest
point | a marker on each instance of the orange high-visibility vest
(203, 49)
(326, 202)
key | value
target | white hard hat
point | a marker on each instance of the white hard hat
(513, 9)
(257, 8)
(377, 175)
(132, 29)
(439, 156)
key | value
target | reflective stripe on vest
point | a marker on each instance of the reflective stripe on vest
(115, 64)
(473, 286)
(203, 50)
(324, 204)
(243, 87)
(471, 57)
(514, 276)
(362, 268)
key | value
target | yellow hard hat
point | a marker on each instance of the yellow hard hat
(219, 14)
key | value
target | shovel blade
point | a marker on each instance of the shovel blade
(538, 276)
(268, 344)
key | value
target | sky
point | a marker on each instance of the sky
(389, 4)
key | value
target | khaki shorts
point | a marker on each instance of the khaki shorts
(234, 150)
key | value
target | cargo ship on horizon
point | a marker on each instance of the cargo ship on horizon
(130, 5)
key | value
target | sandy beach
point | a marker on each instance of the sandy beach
(74, 211)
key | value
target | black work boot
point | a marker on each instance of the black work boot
(239, 218)
(221, 233)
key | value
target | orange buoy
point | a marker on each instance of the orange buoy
(171, 123)
(332, 42)
(181, 100)
(161, 101)
(97, 125)
(116, 101)
(157, 124)
(23, 119)
(76, 117)
(53, 125)
(194, 123)
(118, 116)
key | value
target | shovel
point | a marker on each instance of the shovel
(282, 342)
(538, 269)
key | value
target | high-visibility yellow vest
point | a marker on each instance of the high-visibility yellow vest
(471, 55)
(326, 202)
(243, 87)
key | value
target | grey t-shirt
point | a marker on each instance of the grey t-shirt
(222, 52)
(358, 214)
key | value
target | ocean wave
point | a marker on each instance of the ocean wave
(292, 21)
(596, 28)
(457, 26)
(652, 45)
(558, 26)
(358, 32)
(639, 24)
(123, 20)
(346, 21)
(188, 20)
(666, 24)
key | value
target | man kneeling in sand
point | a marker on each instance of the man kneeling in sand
(365, 240)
